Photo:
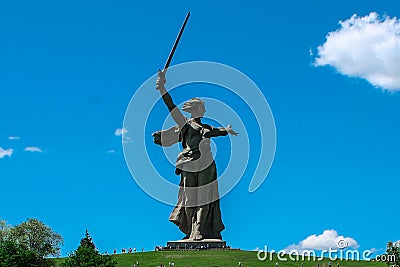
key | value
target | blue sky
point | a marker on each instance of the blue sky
(68, 70)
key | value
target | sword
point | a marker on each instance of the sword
(171, 54)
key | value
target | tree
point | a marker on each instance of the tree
(393, 253)
(87, 241)
(88, 256)
(4, 231)
(13, 254)
(28, 244)
(35, 236)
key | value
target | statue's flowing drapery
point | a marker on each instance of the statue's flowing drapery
(197, 212)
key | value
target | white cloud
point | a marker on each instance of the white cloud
(123, 131)
(5, 152)
(13, 138)
(373, 250)
(328, 239)
(377, 250)
(120, 131)
(111, 151)
(294, 247)
(33, 149)
(365, 47)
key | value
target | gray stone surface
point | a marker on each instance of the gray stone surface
(197, 212)
(196, 244)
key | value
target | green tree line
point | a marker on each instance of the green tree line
(28, 244)
(33, 244)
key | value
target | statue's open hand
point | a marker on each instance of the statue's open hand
(230, 130)
(161, 80)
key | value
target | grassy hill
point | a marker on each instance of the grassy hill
(227, 258)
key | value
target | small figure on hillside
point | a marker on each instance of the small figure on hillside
(240, 264)
(330, 264)
(276, 264)
(115, 251)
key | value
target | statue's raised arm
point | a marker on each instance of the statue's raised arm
(173, 109)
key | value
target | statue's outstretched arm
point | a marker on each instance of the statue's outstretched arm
(220, 131)
(173, 109)
(230, 130)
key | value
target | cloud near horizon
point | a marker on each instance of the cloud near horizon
(13, 138)
(365, 47)
(5, 152)
(33, 149)
(328, 239)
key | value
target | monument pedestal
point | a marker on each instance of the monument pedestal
(196, 244)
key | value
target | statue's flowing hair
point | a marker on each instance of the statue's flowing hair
(193, 104)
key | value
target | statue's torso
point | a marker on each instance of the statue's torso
(196, 154)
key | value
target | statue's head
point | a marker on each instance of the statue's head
(195, 107)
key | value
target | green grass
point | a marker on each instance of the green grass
(226, 258)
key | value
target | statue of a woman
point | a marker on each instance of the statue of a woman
(197, 212)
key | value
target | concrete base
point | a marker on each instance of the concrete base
(196, 244)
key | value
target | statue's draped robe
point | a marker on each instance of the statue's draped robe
(197, 212)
